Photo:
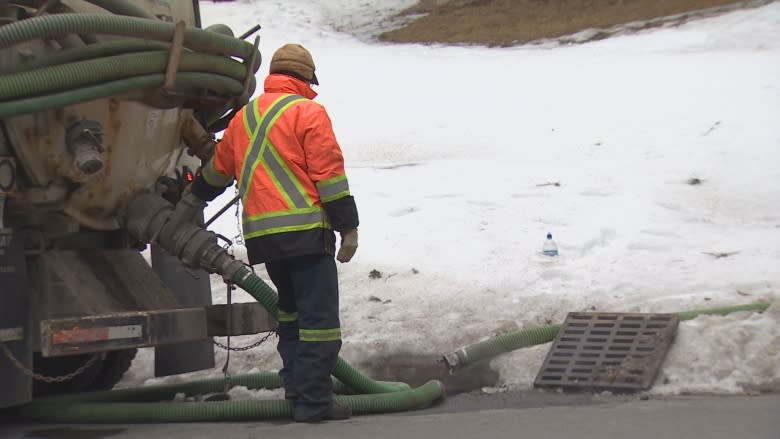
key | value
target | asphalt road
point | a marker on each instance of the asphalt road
(521, 415)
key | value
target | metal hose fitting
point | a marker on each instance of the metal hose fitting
(147, 217)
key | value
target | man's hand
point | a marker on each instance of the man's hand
(349, 245)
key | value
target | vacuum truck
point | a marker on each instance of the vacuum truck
(102, 100)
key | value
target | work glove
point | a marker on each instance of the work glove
(349, 245)
(187, 210)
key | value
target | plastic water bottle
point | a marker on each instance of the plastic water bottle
(550, 248)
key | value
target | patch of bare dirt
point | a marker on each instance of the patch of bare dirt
(512, 22)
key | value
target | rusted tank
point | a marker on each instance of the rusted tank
(101, 99)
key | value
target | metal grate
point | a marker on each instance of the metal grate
(608, 351)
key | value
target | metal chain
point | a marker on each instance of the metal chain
(248, 347)
(47, 379)
(229, 325)
(239, 238)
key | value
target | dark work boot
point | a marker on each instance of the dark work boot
(336, 412)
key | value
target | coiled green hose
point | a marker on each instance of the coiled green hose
(90, 51)
(119, 7)
(47, 83)
(74, 75)
(52, 25)
(217, 83)
(117, 412)
(165, 392)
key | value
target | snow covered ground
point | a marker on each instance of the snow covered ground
(462, 159)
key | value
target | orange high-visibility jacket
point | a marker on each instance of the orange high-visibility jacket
(283, 154)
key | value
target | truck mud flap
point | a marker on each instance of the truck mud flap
(189, 289)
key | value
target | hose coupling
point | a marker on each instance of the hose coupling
(453, 360)
(85, 142)
(149, 218)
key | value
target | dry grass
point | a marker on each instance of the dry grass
(509, 22)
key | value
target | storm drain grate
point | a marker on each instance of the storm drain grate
(608, 351)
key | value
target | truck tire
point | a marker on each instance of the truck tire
(102, 375)
(114, 367)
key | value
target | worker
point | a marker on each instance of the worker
(282, 152)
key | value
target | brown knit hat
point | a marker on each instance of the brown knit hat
(294, 60)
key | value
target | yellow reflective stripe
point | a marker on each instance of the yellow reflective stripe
(250, 123)
(300, 228)
(284, 179)
(284, 221)
(214, 177)
(287, 317)
(250, 118)
(333, 188)
(259, 140)
(332, 334)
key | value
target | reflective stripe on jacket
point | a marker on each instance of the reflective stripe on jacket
(283, 153)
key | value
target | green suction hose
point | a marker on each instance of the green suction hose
(119, 7)
(503, 343)
(722, 311)
(122, 7)
(545, 334)
(217, 83)
(165, 392)
(89, 72)
(52, 25)
(116, 412)
(90, 51)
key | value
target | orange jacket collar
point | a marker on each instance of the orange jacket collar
(277, 83)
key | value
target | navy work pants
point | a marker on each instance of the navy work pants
(309, 329)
